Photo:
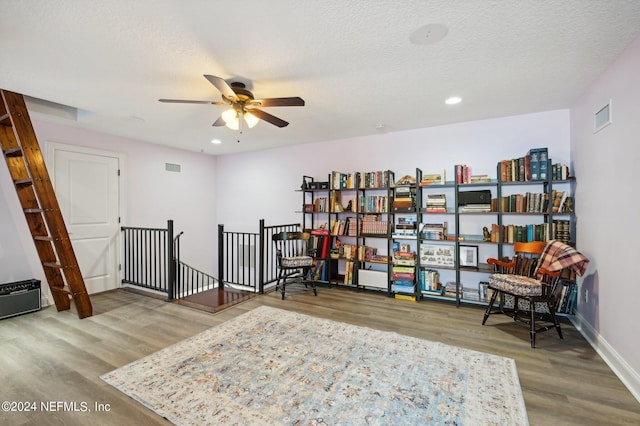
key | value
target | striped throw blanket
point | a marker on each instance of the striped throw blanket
(558, 255)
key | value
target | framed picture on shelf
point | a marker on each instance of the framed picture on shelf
(438, 255)
(469, 256)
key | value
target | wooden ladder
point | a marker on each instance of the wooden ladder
(40, 205)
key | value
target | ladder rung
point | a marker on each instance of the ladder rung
(4, 118)
(64, 289)
(33, 210)
(13, 152)
(43, 238)
(52, 265)
(23, 182)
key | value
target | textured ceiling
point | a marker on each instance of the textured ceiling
(351, 61)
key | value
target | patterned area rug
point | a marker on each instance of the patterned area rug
(275, 367)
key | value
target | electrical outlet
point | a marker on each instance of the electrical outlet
(586, 296)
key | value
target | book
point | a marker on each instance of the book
(463, 173)
(543, 163)
(436, 203)
(480, 179)
(433, 179)
(348, 274)
(476, 208)
(559, 198)
(428, 280)
(534, 163)
(433, 231)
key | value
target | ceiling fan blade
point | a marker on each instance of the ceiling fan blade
(275, 102)
(219, 122)
(222, 86)
(268, 117)
(182, 101)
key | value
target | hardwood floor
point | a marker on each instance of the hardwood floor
(51, 356)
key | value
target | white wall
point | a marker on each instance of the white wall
(608, 205)
(152, 196)
(261, 184)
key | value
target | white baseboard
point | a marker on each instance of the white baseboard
(629, 377)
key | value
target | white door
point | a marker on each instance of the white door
(88, 191)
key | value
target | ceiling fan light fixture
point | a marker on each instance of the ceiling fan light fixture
(230, 117)
(241, 104)
(250, 119)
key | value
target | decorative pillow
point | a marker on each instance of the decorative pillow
(516, 285)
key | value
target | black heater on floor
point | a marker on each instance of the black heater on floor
(19, 298)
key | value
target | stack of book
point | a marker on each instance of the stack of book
(436, 203)
(451, 289)
(321, 205)
(433, 179)
(379, 258)
(348, 251)
(367, 253)
(526, 233)
(559, 171)
(476, 208)
(340, 226)
(348, 273)
(405, 199)
(377, 179)
(530, 202)
(434, 231)
(559, 199)
(320, 241)
(463, 173)
(373, 204)
(341, 180)
(562, 230)
(404, 261)
(429, 282)
(515, 169)
(353, 252)
(532, 166)
(566, 302)
(480, 179)
(372, 225)
(404, 258)
(405, 228)
(403, 278)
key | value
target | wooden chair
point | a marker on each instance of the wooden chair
(529, 284)
(295, 258)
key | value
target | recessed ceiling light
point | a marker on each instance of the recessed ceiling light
(380, 126)
(429, 34)
(216, 141)
(453, 100)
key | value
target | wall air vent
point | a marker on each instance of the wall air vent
(172, 167)
(602, 118)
